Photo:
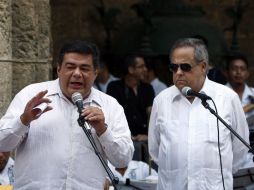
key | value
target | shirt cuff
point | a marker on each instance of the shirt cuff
(21, 129)
(106, 135)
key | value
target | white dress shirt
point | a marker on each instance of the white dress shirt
(183, 139)
(158, 86)
(103, 86)
(248, 91)
(7, 176)
(54, 152)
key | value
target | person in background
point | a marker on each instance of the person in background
(183, 136)
(52, 150)
(238, 74)
(104, 77)
(6, 169)
(134, 95)
(152, 78)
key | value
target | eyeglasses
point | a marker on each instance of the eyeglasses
(185, 67)
(140, 66)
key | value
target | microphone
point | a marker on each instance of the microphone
(78, 100)
(187, 92)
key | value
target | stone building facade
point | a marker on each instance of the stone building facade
(25, 46)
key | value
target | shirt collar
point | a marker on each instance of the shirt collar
(93, 97)
(246, 92)
(54, 89)
(205, 89)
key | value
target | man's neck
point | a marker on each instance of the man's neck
(239, 89)
(104, 78)
(131, 82)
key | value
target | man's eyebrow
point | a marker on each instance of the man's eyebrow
(82, 65)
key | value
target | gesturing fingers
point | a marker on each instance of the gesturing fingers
(33, 110)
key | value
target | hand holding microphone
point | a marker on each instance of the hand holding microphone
(93, 115)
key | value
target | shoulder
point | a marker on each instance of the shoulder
(32, 89)
(41, 86)
(221, 89)
(148, 88)
(169, 92)
(146, 85)
(116, 84)
(223, 92)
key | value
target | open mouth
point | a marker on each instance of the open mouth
(76, 85)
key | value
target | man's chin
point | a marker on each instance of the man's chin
(180, 85)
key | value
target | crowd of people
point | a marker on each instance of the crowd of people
(137, 112)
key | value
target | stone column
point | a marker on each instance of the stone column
(31, 44)
(5, 55)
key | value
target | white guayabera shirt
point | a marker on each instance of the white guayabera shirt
(183, 139)
(247, 93)
(54, 152)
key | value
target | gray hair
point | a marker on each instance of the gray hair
(200, 50)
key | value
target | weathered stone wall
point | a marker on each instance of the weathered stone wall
(5, 55)
(25, 46)
(31, 42)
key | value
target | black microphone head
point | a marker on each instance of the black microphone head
(76, 97)
(185, 90)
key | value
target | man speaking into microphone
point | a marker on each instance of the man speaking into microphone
(183, 136)
(52, 151)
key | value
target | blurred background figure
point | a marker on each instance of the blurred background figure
(136, 97)
(6, 169)
(152, 78)
(237, 75)
(104, 77)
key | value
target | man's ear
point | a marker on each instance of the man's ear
(204, 67)
(58, 69)
(96, 71)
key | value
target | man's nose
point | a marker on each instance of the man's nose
(179, 71)
(77, 72)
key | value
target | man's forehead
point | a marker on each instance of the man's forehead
(238, 62)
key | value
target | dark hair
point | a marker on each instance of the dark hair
(130, 61)
(234, 56)
(81, 47)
